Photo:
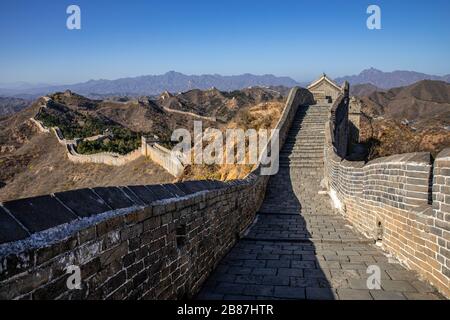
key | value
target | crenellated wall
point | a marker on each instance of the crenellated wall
(149, 242)
(402, 200)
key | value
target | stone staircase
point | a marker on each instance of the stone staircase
(303, 147)
(298, 247)
(301, 167)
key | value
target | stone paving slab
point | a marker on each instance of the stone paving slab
(295, 278)
(114, 197)
(84, 202)
(10, 229)
(143, 193)
(39, 213)
(159, 192)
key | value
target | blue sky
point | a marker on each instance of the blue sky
(296, 38)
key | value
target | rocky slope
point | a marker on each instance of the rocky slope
(363, 90)
(214, 103)
(9, 105)
(407, 119)
(263, 115)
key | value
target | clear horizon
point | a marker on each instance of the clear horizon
(297, 39)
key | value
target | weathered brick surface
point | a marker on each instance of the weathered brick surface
(137, 254)
(391, 199)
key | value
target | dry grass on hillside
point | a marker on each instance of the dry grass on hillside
(262, 116)
(408, 119)
(386, 137)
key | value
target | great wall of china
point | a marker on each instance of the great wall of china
(157, 153)
(317, 222)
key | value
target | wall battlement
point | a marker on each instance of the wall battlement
(155, 242)
(401, 200)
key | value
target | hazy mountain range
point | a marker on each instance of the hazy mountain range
(155, 84)
(388, 80)
(178, 82)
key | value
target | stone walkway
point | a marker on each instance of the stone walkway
(297, 247)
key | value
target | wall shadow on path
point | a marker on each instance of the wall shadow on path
(276, 259)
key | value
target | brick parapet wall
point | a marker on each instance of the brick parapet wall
(108, 158)
(163, 157)
(440, 225)
(149, 242)
(160, 251)
(390, 199)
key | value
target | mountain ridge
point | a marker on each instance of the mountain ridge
(389, 80)
(155, 84)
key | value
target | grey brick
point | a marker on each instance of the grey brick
(229, 288)
(351, 294)
(265, 271)
(320, 294)
(397, 285)
(259, 290)
(289, 292)
(387, 295)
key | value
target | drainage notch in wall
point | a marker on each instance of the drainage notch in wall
(380, 232)
(181, 235)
